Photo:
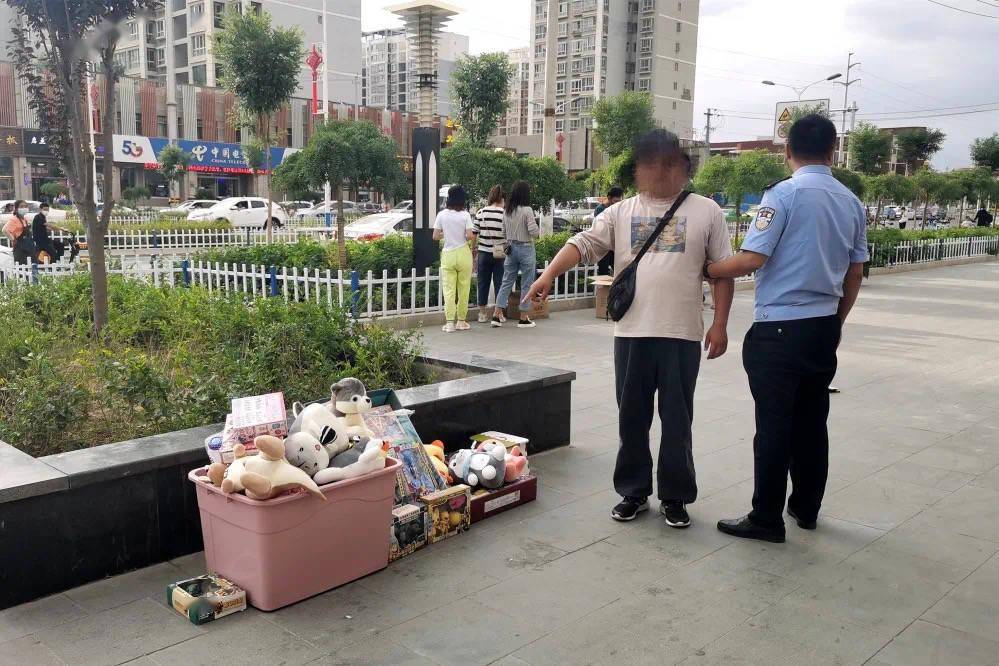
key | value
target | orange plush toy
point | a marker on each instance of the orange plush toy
(436, 453)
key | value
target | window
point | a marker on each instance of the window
(540, 31)
(645, 45)
(539, 50)
(199, 75)
(676, 67)
(573, 124)
(561, 50)
(674, 106)
(563, 29)
(563, 9)
(576, 85)
(577, 46)
(679, 8)
(559, 107)
(150, 57)
(161, 125)
(218, 12)
(675, 86)
(539, 69)
(587, 83)
(560, 87)
(197, 10)
(258, 204)
(644, 85)
(679, 26)
(560, 68)
(159, 28)
(678, 47)
(645, 65)
(588, 64)
(538, 126)
(577, 65)
(133, 30)
(648, 5)
(648, 24)
(198, 45)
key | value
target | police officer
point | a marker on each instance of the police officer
(808, 245)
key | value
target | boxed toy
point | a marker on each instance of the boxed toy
(448, 512)
(509, 441)
(409, 530)
(206, 598)
(257, 415)
(417, 476)
(488, 503)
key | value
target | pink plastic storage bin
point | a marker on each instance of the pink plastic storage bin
(295, 546)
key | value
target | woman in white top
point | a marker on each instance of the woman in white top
(454, 226)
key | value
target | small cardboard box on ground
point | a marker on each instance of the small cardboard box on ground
(206, 598)
(488, 503)
(448, 512)
(603, 284)
(409, 530)
(539, 309)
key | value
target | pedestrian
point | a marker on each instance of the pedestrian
(521, 228)
(606, 265)
(454, 226)
(983, 218)
(808, 245)
(657, 341)
(490, 249)
(18, 233)
(47, 250)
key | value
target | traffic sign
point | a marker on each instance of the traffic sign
(785, 113)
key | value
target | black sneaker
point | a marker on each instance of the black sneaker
(803, 524)
(496, 322)
(675, 514)
(629, 508)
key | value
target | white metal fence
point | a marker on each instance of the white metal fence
(931, 250)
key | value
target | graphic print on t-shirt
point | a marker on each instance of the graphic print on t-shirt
(672, 239)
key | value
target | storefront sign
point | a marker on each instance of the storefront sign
(11, 141)
(36, 144)
(206, 156)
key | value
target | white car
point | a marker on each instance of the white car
(319, 210)
(293, 207)
(379, 225)
(240, 212)
(186, 208)
(403, 207)
(55, 216)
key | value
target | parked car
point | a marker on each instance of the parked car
(240, 212)
(184, 209)
(319, 210)
(55, 216)
(369, 207)
(403, 207)
(380, 225)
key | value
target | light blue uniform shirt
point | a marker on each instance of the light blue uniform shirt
(812, 228)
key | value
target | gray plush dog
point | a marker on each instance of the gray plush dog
(348, 400)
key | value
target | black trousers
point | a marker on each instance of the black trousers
(606, 265)
(489, 271)
(790, 365)
(643, 367)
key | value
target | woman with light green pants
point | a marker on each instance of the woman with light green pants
(454, 226)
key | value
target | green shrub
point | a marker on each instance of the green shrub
(169, 359)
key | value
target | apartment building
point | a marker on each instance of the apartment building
(604, 47)
(517, 116)
(387, 62)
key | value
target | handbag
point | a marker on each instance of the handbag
(499, 249)
(622, 290)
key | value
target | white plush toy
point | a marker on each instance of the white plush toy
(306, 453)
(319, 421)
(348, 400)
(264, 475)
(369, 461)
(479, 468)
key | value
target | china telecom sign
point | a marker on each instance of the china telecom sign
(206, 156)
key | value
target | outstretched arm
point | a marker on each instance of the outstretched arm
(566, 258)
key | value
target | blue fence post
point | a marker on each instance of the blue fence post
(34, 273)
(248, 235)
(155, 239)
(329, 219)
(355, 292)
(185, 272)
(273, 280)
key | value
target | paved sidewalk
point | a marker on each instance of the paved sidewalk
(902, 570)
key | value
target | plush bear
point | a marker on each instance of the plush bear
(306, 453)
(514, 458)
(436, 453)
(348, 400)
(479, 468)
(319, 421)
(370, 460)
(264, 475)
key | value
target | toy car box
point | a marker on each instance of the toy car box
(409, 530)
(488, 503)
(448, 512)
(206, 598)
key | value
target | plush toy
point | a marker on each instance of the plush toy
(348, 400)
(514, 458)
(478, 468)
(305, 452)
(319, 421)
(370, 460)
(264, 475)
(436, 453)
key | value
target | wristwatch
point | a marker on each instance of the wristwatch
(707, 276)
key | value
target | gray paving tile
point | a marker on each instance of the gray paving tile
(150, 582)
(247, 639)
(678, 547)
(988, 480)
(191, 565)
(971, 606)
(37, 615)
(959, 456)
(881, 503)
(485, 633)
(927, 644)
(920, 536)
(119, 634)
(921, 475)
(376, 651)
(28, 650)
(971, 511)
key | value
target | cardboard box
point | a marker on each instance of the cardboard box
(602, 284)
(509, 441)
(206, 598)
(448, 512)
(488, 503)
(539, 309)
(409, 530)
(257, 415)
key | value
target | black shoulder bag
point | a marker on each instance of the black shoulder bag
(622, 290)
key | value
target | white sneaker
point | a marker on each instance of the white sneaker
(483, 317)
(526, 323)
(462, 325)
(448, 327)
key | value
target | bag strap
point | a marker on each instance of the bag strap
(662, 225)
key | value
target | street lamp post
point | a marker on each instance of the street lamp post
(801, 90)
(846, 100)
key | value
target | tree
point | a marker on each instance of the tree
(173, 165)
(480, 86)
(347, 153)
(888, 187)
(869, 149)
(619, 120)
(52, 46)
(478, 169)
(619, 171)
(549, 182)
(985, 152)
(926, 183)
(290, 179)
(853, 180)
(132, 195)
(260, 64)
(917, 146)
(799, 112)
(53, 189)
(736, 177)
(974, 185)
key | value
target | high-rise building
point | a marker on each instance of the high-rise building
(517, 116)
(604, 47)
(388, 63)
(178, 38)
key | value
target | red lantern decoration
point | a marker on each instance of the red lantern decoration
(314, 60)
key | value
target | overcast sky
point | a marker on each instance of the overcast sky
(917, 58)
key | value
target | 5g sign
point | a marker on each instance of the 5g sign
(131, 148)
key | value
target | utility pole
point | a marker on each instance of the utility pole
(846, 103)
(707, 129)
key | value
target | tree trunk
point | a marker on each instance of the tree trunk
(266, 135)
(877, 213)
(341, 242)
(960, 216)
(738, 218)
(98, 267)
(926, 208)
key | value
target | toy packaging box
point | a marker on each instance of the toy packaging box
(417, 476)
(206, 598)
(489, 503)
(509, 441)
(257, 415)
(409, 530)
(448, 512)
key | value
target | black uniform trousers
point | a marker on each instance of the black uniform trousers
(790, 365)
(643, 367)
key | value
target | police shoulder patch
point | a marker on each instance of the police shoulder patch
(764, 217)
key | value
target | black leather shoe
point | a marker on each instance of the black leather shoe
(744, 528)
(803, 524)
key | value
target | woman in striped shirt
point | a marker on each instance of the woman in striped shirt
(488, 227)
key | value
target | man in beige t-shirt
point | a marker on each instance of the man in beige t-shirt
(657, 342)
